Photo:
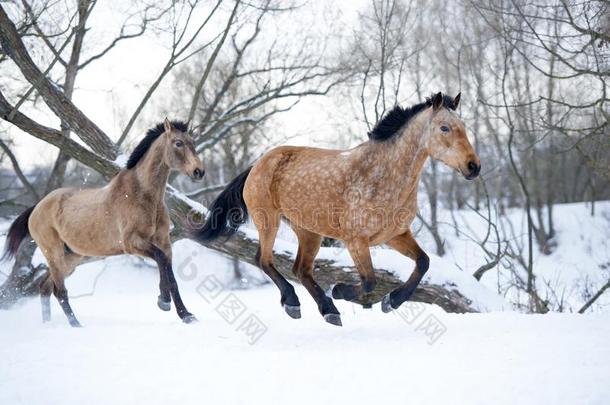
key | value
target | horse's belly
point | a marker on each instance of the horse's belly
(93, 248)
(377, 223)
(91, 234)
(320, 219)
(92, 241)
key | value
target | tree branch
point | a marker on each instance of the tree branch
(210, 63)
(55, 137)
(594, 298)
(93, 136)
(18, 170)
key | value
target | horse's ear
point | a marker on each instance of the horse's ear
(437, 101)
(456, 101)
(167, 125)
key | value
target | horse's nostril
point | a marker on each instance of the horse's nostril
(472, 167)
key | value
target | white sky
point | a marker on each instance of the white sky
(109, 89)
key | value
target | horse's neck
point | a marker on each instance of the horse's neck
(152, 172)
(412, 150)
(403, 158)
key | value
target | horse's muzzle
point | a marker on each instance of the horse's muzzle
(198, 174)
(473, 170)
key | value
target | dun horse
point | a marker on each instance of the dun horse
(127, 216)
(365, 196)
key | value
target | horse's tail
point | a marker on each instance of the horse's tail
(228, 211)
(16, 234)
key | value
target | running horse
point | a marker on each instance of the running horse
(365, 196)
(127, 216)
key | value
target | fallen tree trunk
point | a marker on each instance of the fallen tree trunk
(327, 272)
(25, 281)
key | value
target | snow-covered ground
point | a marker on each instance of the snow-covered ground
(246, 350)
(130, 352)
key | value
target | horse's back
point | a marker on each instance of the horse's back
(68, 201)
(297, 182)
(46, 210)
(273, 167)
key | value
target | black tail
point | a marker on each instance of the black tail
(228, 211)
(16, 234)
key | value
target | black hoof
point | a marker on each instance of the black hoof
(190, 318)
(386, 305)
(164, 305)
(294, 311)
(335, 292)
(333, 319)
(75, 323)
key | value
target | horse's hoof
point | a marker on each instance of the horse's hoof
(164, 305)
(334, 292)
(75, 323)
(386, 305)
(294, 311)
(333, 319)
(190, 318)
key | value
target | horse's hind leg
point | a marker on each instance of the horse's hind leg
(60, 267)
(60, 292)
(309, 245)
(46, 289)
(267, 226)
(360, 253)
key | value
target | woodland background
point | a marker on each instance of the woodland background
(81, 81)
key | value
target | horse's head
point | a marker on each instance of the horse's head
(180, 152)
(447, 140)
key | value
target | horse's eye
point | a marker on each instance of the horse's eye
(179, 144)
(445, 128)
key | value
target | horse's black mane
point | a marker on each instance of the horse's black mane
(398, 117)
(151, 135)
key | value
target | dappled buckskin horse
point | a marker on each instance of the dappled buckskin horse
(127, 216)
(365, 196)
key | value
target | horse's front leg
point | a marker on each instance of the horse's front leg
(406, 245)
(164, 301)
(360, 252)
(162, 254)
